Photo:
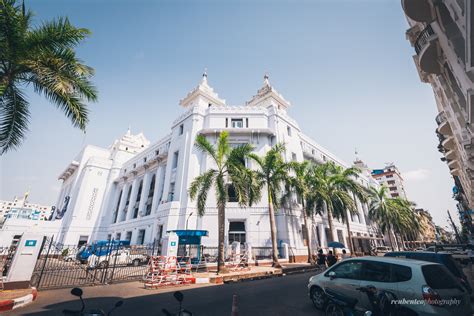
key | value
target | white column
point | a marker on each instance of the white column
(133, 197)
(145, 188)
(158, 187)
(122, 201)
(322, 235)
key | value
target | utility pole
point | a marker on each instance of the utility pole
(454, 227)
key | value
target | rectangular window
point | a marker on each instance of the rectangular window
(175, 160)
(246, 122)
(237, 123)
(391, 182)
(293, 156)
(128, 236)
(82, 240)
(393, 188)
(118, 236)
(389, 176)
(231, 193)
(181, 129)
(237, 232)
(340, 236)
(226, 122)
(141, 237)
(288, 130)
(171, 192)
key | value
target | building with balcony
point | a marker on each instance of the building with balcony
(390, 177)
(138, 191)
(441, 33)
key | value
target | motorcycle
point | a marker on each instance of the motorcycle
(181, 312)
(92, 312)
(340, 305)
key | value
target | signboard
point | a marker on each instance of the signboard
(30, 243)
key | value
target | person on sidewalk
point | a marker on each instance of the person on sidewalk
(321, 260)
(344, 255)
(331, 259)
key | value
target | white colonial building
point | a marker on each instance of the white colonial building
(138, 191)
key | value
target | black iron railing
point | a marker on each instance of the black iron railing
(423, 38)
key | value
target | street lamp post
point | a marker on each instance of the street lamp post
(188, 220)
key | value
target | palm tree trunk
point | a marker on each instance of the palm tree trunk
(273, 229)
(403, 241)
(305, 217)
(330, 223)
(221, 222)
(349, 236)
(389, 232)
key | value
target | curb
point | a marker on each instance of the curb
(8, 305)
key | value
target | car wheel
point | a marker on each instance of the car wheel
(103, 264)
(68, 260)
(136, 262)
(334, 310)
(318, 297)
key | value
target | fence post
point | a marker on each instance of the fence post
(45, 259)
(113, 268)
(153, 249)
(109, 252)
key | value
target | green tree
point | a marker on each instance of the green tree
(272, 174)
(44, 58)
(229, 170)
(342, 191)
(301, 183)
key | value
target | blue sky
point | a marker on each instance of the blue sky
(345, 66)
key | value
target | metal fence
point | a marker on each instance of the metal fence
(62, 266)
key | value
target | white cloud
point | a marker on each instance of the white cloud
(416, 175)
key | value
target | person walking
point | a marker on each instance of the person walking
(331, 259)
(321, 260)
(344, 255)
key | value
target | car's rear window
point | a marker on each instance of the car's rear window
(400, 273)
(438, 277)
(451, 265)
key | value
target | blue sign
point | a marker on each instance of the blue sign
(173, 243)
(30, 243)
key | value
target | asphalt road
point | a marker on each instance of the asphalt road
(285, 295)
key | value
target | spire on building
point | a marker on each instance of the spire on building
(203, 95)
(268, 96)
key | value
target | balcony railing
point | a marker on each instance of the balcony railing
(440, 118)
(423, 39)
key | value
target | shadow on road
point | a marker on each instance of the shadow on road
(277, 296)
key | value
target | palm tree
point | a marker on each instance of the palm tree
(407, 222)
(272, 173)
(392, 215)
(343, 184)
(230, 165)
(301, 182)
(44, 58)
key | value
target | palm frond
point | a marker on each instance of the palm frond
(200, 187)
(205, 146)
(14, 115)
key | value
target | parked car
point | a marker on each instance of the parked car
(381, 250)
(121, 257)
(443, 258)
(99, 248)
(460, 254)
(430, 284)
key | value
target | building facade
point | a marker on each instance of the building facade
(390, 177)
(22, 208)
(441, 33)
(138, 191)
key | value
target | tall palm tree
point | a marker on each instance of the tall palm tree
(393, 215)
(272, 173)
(342, 184)
(42, 57)
(407, 222)
(230, 167)
(301, 182)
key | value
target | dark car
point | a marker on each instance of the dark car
(443, 258)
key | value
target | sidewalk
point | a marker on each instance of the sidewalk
(12, 299)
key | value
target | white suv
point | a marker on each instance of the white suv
(420, 288)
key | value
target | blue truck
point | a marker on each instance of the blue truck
(99, 248)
